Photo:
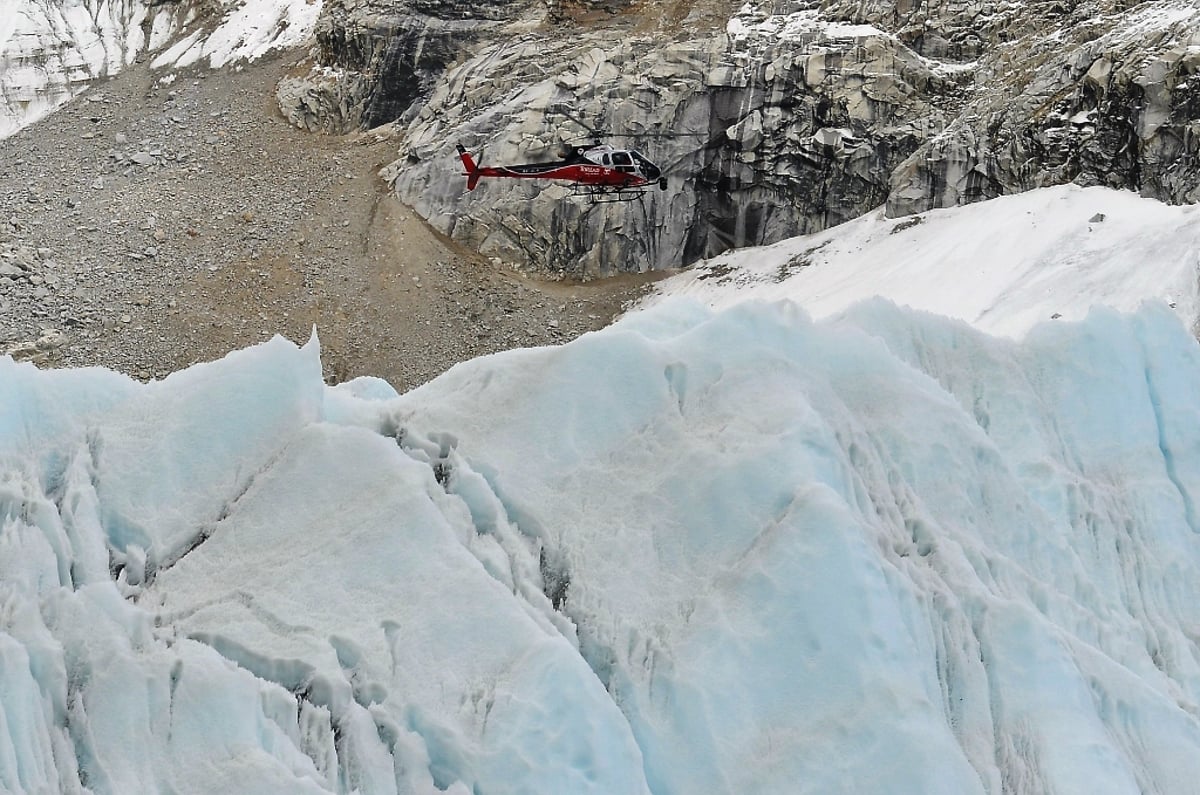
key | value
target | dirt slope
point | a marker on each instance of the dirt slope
(148, 226)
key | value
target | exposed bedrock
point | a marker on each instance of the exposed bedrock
(768, 121)
(1120, 109)
(377, 59)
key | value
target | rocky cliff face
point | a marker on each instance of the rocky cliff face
(376, 59)
(1087, 97)
(770, 120)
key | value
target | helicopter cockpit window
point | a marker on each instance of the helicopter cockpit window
(622, 161)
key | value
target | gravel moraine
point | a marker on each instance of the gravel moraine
(150, 225)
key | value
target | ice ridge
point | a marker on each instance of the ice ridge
(701, 551)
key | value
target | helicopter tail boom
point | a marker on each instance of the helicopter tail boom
(472, 170)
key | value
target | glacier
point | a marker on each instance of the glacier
(719, 550)
(52, 50)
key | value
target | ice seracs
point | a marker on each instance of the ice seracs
(727, 551)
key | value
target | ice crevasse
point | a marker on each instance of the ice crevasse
(699, 551)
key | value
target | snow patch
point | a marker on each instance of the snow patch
(752, 22)
(1003, 265)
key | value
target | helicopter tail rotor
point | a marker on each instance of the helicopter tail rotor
(472, 170)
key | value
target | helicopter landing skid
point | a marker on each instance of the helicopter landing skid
(599, 194)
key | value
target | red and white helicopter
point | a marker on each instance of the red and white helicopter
(598, 171)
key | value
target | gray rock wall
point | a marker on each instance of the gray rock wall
(756, 145)
(769, 122)
(1120, 109)
(376, 60)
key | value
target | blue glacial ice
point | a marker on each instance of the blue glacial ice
(700, 551)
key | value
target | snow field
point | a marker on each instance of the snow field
(1003, 265)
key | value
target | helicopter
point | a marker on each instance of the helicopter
(597, 171)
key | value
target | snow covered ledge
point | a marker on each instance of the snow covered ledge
(1002, 265)
(51, 50)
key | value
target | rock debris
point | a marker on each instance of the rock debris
(151, 225)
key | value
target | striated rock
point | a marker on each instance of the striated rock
(46, 349)
(765, 126)
(50, 340)
(1119, 109)
(376, 59)
(770, 120)
(326, 100)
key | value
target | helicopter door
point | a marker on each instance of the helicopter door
(622, 161)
